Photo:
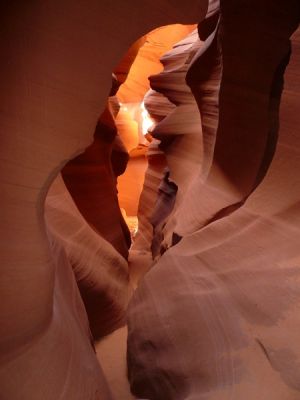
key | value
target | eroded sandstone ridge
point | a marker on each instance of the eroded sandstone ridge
(177, 135)
(57, 59)
(218, 315)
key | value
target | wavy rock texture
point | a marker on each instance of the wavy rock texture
(130, 119)
(133, 72)
(146, 61)
(158, 107)
(217, 317)
(153, 178)
(100, 271)
(87, 222)
(178, 128)
(241, 157)
(180, 131)
(46, 360)
(55, 81)
(91, 179)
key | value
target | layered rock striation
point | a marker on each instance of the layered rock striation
(100, 271)
(178, 143)
(217, 316)
(91, 179)
(55, 79)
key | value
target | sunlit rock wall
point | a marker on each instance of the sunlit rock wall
(180, 132)
(178, 141)
(218, 316)
(146, 62)
(185, 142)
(130, 120)
(153, 177)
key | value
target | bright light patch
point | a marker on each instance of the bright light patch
(147, 122)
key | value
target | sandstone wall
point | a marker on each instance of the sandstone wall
(55, 78)
(217, 316)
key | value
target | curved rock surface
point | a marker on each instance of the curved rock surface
(217, 317)
(101, 273)
(180, 131)
(153, 177)
(146, 62)
(179, 140)
(55, 81)
(245, 133)
(130, 120)
(91, 179)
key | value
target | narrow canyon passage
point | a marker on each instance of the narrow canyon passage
(112, 349)
(141, 167)
(150, 200)
(122, 160)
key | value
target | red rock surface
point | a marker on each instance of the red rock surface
(153, 177)
(91, 179)
(100, 271)
(179, 130)
(217, 317)
(153, 45)
(141, 63)
(55, 79)
(226, 327)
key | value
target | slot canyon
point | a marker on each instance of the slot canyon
(150, 200)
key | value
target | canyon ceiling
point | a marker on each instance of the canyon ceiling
(209, 285)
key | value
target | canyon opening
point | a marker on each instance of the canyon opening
(150, 200)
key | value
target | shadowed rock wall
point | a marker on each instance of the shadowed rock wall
(55, 78)
(177, 149)
(91, 179)
(217, 316)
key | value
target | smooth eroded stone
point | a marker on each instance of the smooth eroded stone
(218, 316)
(58, 57)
